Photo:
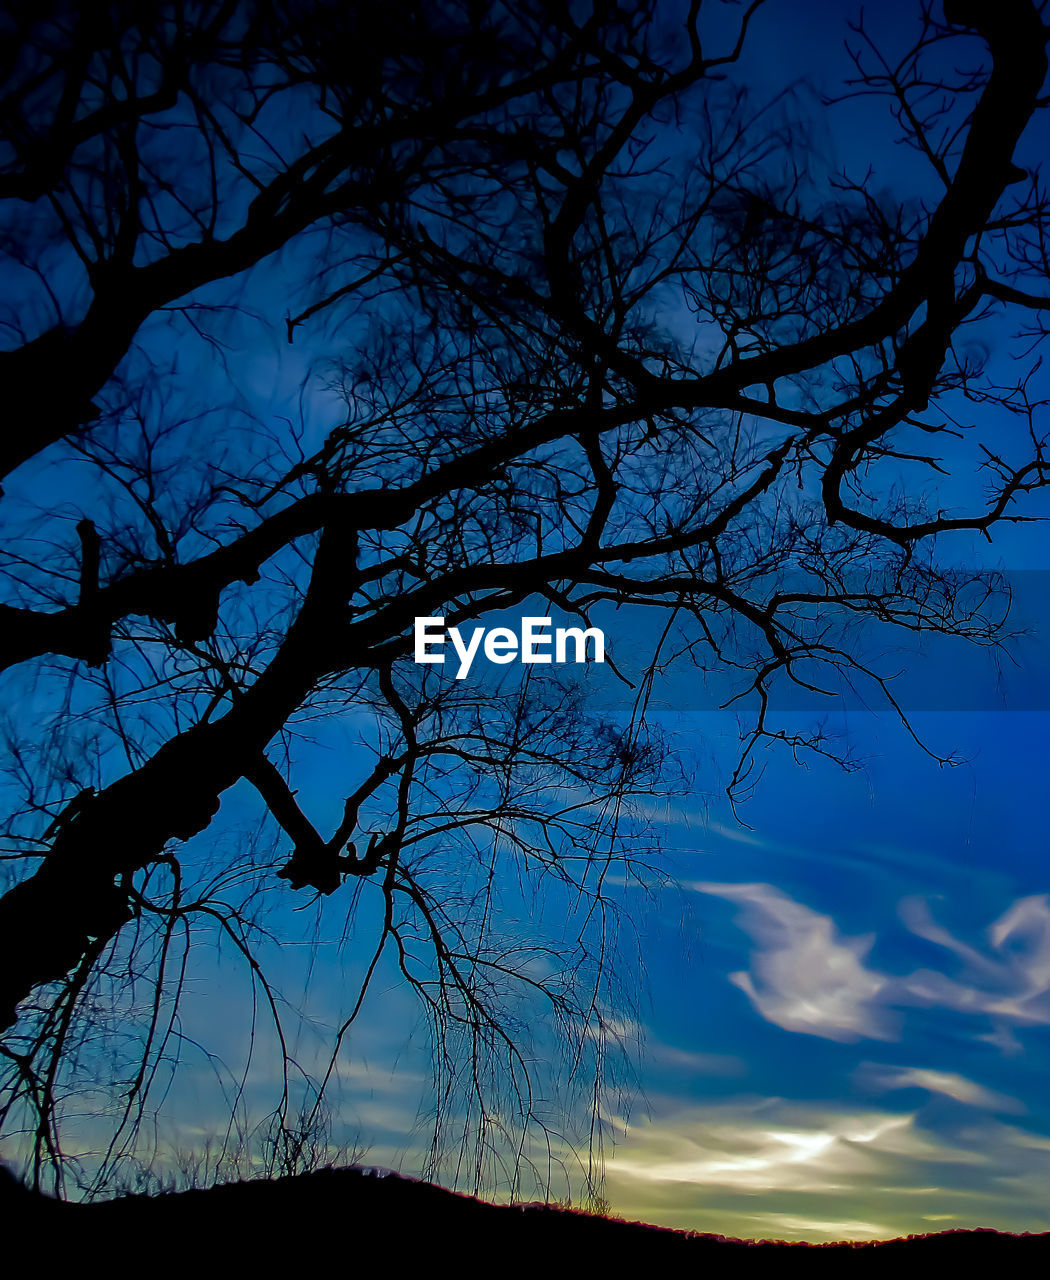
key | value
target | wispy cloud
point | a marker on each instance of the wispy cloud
(804, 975)
(836, 1172)
(1009, 981)
(883, 1078)
(689, 1062)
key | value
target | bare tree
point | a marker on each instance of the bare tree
(602, 330)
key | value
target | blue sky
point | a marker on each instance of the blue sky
(841, 1025)
(843, 1017)
(845, 1007)
(855, 1042)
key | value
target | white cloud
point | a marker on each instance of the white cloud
(886, 1078)
(817, 1228)
(1009, 982)
(689, 1062)
(621, 1031)
(804, 976)
(769, 1146)
(837, 1173)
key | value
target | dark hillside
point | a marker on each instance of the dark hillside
(399, 1222)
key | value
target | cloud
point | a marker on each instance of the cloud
(611, 1027)
(881, 1077)
(804, 976)
(836, 1172)
(770, 1146)
(689, 1062)
(1010, 982)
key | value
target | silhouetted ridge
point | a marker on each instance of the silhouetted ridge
(287, 1219)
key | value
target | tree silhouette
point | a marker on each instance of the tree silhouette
(575, 316)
